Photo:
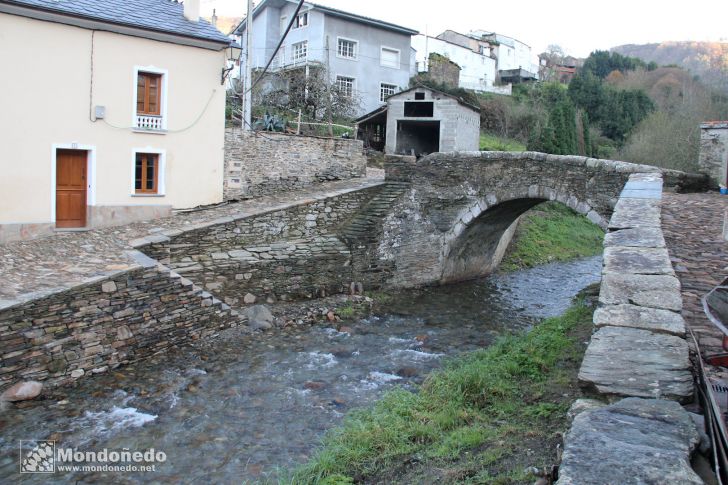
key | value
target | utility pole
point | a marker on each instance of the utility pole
(248, 81)
(328, 88)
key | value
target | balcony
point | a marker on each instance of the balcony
(149, 123)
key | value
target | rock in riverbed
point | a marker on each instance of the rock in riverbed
(22, 391)
(259, 317)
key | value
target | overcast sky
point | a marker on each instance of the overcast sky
(579, 26)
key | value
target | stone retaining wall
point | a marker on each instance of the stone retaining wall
(638, 359)
(282, 254)
(111, 320)
(265, 163)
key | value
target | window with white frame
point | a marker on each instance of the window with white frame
(390, 58)
(299, 51)
(301, 20)
(345, 85)
(150, 99)
(386, 90)
(347, 48)
(148, 172)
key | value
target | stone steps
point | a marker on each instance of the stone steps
(363, 227)
(207, 299)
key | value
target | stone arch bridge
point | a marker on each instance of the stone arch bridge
(456, 212)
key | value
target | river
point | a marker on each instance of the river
(237, 408)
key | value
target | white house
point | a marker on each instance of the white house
(478, 70)
(510, 52)
(514, 61)
(122, 119)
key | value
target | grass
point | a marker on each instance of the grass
(552, 232)
(484, 418)
(489, 142)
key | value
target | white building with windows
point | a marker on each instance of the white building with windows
(129, 126)
(368, 58)
(478, 70)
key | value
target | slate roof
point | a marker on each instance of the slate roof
(159, 15)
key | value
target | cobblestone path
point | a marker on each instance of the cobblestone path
(693, 226)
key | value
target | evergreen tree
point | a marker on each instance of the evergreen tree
(586, 134)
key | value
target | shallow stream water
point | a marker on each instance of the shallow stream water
(238, 407)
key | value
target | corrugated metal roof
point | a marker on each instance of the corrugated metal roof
(158, 15)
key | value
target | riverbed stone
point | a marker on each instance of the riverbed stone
(655, 291)
(22, 391)
(633, 362)
(634, 441)
(647, 237)
(626, 260)
(653, 319)
(259, 317)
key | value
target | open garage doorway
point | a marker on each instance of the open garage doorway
(420, 137)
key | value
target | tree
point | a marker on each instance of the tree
(558, 135)
(552, 57)
(309, 92)
(601, 63)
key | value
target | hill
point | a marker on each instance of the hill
(709, 60)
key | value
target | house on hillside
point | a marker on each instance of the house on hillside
(514, 63)
(368, 59)
(561, 70)
(420, 121)
(477, 67)
(122, 120)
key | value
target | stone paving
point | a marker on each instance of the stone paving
(69, 258)
(693, 226)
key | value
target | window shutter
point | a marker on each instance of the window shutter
(390, 58)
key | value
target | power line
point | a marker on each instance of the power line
(249, 25)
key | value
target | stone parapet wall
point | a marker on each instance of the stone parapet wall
(105, 322)
(265, 163)
(283, 254)
(638, 359)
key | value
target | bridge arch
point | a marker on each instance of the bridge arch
(459, 213)
(478, 240)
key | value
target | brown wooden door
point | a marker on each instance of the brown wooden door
(71, 188)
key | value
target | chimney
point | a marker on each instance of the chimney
(192, 10)
(214, 18)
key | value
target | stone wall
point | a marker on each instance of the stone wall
(638, 359)
(103, 323)
(284, 254)
(461, 207)
(714, 151)
(442, 70)
(265, 163)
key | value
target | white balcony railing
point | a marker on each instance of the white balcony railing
(150, 122)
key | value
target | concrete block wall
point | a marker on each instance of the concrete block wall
(266, 163)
